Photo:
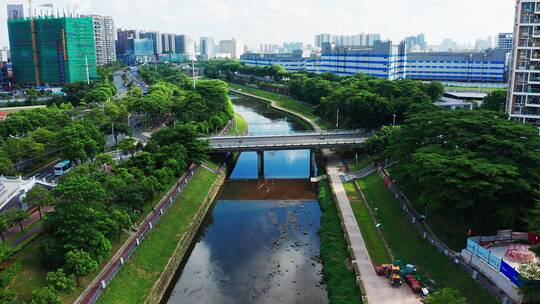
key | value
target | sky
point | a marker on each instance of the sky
(276, 21)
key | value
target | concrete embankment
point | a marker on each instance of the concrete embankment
(160, 287)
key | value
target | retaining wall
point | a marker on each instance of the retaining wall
(161, 285)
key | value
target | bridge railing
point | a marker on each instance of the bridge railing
(285, 144)
(294, 133)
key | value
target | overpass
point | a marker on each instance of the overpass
(291, 141)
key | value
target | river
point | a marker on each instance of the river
(260, 243)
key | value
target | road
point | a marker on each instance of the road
(294, 141)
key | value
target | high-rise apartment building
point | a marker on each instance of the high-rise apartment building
(104, 39)
(184, 45)
(156, 38)
(122, 38)
(168, 43)
(504, 41)
(362, 39)
(207, 48)
(415, 43)
(524, 87)
(64, 50)
(322, 38)
(230, 48)
(268, 48)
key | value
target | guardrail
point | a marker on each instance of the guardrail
(298, 145)
(109, 272)
(292, 134)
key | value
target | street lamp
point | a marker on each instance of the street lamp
(337, 119)
(394, 121)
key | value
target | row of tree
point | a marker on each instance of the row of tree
(362, 101)
(476, 163)
(99, 199)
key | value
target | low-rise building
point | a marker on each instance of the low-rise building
(489, 66)
(292, 62)
(383, 59)
(387, 60)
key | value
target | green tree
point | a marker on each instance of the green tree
(7, 296)
(60, 281)
(495, 101)
(17, 216)
(446, 296)
(80, 263)
(39, 197)
(377, 145)
(435, 90)
(45, 295)
(81, 141)
(128, 144)
(78, 226)
(80, 189)
(475, 162)
(5, 224)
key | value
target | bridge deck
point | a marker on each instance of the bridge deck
(294, 141)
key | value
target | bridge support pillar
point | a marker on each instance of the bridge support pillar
(312, 163)
(260, 158)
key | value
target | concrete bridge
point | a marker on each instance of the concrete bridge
(291, 141)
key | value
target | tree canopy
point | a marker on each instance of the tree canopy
(478, 162)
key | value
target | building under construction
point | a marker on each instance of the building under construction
(52, 50)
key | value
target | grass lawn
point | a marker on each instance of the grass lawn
(134, 282)
(281, 100)
(377, 250)
(363, 161)
(339, 277)
(407, 245)
(239, 125)
(32, 275)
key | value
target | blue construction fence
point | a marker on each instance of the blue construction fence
(494, 261)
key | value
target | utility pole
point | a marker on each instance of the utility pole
(394, 121)
(193, 72)
(337, 119)
(18, 138)
(112, 132)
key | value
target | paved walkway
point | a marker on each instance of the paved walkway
(15, 229)
(377, 289)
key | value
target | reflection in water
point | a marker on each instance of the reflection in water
(260, 244)
(255, 252)
(277, 164)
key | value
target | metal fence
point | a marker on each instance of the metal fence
(427, 234)
(110, 271)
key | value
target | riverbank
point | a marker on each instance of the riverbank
(135, 281)
(407, 245)
(239, 126)
(339, 276)
(281, 101)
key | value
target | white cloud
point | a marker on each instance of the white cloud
(258, 21)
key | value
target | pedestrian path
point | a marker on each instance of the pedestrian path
(15, 229)
(377, 289)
